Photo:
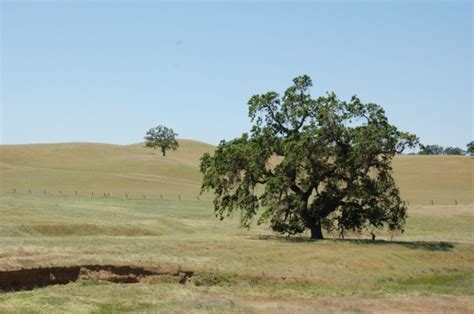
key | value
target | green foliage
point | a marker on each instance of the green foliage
(331, 164)
(470, 148)
(162, 137)
(431, 150)
(453, 151)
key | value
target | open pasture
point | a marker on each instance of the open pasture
(136, 170)
(428, 268)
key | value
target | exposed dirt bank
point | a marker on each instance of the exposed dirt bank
(27, 279)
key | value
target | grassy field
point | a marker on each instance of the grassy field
(136, 170)
(101, 168)
(429, 268)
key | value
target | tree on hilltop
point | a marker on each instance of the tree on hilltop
(162, 137)
(321, 163)
(431, 150)
(453, 151)
(470, 148)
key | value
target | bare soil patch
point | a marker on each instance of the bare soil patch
(28, 279)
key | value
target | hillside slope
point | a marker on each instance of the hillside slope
(101, 168)
(442, 179)
(134, 169)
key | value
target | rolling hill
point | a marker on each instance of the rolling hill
(233, 269)
(136, 170)
(101, 168)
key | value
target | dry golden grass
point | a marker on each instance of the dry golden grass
(133, 169)
(442, 179)
(428, 268)
(239, 270)
(101, 168)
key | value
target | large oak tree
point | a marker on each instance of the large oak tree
(310, 163)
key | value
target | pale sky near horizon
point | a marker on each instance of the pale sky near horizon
(102, 71)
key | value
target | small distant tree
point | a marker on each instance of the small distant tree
(470, 148)
(310, 164)
(453, 151)
(431, 150)
(162, 137)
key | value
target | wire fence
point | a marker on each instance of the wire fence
(206, 197)
(110, 195)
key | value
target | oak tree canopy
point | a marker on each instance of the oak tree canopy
(310, 163)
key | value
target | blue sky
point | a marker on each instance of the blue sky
(97, 71)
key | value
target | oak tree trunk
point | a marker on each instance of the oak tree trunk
(316, 232)
(163, 150)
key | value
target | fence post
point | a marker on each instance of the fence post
(179, 197)
(126, 195)
(197, 197)
(92, 194)
(161, 196)
(75, 192)
(14, 190)
(455, 202)
(432, 202)
(29, 191)
(44, 192)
